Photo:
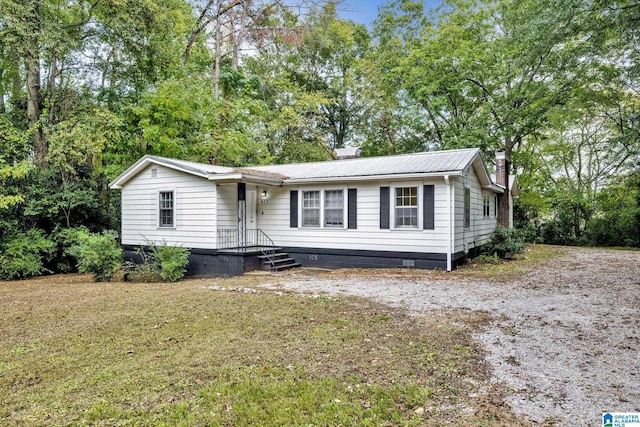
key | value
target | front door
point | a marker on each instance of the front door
(251, 223)
(247, 199)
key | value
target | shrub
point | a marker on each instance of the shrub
(146, 270)
(173, 261)
(23, 255)
(486, 259)
(65, 238)
(504, 243)
(529, 233)
(98, 254)
(159, 262)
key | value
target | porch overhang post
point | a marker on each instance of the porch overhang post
(242, 214)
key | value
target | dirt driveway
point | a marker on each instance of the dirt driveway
(566, 339)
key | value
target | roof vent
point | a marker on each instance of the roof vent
(347, 153)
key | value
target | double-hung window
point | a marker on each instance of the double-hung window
(467, 207)
(406, 207)
(486, 205)
(167, 209)
(311, 208)
(333, 208)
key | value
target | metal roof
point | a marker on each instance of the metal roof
(426, 162)
(192, 166)
(433, 163)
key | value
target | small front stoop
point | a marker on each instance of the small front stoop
(277, 261)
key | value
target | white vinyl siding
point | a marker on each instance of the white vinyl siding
(480, 226)
(227, 206)
(273, 219)
(194, 205)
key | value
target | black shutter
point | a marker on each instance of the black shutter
(352, 209)
(428, 214)
(384, 208)
(293, 209)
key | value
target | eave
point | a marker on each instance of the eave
(243, 177)
(394, 177)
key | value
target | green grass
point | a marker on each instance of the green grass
(532, 257)
(78, 353)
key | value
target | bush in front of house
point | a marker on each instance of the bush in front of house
(159, 262)
(23, 255)
(97, 253)
(173, 261)
(145, 269)
(505, 243)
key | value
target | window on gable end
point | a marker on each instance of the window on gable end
(486, 206)
(166, 209)
(467, 207)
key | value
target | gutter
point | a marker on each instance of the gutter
(236, 177)
(449, 224)
(418, 175)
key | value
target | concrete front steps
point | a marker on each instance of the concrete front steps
(277, 261)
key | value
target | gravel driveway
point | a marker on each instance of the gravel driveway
(566, 339)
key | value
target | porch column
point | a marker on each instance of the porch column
(242, 213)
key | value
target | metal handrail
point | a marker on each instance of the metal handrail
(242, 242)
(266, 241)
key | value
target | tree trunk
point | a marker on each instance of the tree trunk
(505, 206)
(32, 64)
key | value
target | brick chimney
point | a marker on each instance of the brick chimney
(346, 153)
(500, 168)
(502, 178)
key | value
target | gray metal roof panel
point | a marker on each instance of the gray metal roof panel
(193, 166)
(426, 162)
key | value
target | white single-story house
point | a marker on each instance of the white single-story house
(423, 210)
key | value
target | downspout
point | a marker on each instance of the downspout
(449, 225)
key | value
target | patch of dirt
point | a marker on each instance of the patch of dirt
(566, 339)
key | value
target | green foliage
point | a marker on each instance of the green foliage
(618, 222)
(486, 259)
(172, 260)
(505, 243)
(12, 148)
(160, 261)
(23, 255)
(65, 238)
(144, 268)
(98, 254)
(50, 202)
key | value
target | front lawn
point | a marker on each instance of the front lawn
(74, 352)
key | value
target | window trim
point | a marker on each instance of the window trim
(393, 207)
(405, 208)
(322, 216)
(467, 207)
(160, 209)
(303, 208)
(486, 206)
(325, 208)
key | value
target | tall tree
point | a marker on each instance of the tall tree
(42, 33)
(488, 72)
